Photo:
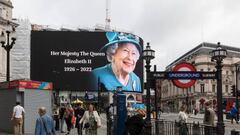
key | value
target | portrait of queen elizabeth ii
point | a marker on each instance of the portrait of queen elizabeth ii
(122, 52)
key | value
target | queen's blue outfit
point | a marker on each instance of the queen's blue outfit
(106, 76)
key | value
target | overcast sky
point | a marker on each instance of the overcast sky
(172, 27)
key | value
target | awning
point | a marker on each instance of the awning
(77, 101)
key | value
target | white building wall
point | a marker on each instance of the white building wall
(20, 53)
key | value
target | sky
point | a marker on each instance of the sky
(172, 27)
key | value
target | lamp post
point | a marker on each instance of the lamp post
(156, 103)
(187, 100)
(218, 55)
(148, 55)
(99, 96)
(237, 104)
(7, 45)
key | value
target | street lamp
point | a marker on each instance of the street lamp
(148, 55)
(7, 45)
(218, 55)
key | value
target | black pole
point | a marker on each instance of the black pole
(8, 57)
(187, 100)
(236, 89)
(148, 119)
(156, 103)
(8, 66)
(220, 124)
(99, 95)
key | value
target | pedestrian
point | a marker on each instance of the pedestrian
(79, 112)
(208, 119)
(17, 118)
(135, 124)
(182, 120)
(44, 123)
(62, 119)
(69, 114)
(56, 117)
(233, 114)
(109, 113)
(91, 121)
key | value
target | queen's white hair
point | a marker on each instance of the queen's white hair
(111, 50)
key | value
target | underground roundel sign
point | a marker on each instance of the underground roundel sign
(184, 67)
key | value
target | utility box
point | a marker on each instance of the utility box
(31, 95)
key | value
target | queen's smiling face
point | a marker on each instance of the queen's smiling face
(125, 58)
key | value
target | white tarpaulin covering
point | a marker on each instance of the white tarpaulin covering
(20, 53)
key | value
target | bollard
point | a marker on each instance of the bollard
(234, 132)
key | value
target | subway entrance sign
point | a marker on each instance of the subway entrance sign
(184, 75)
(184, 67)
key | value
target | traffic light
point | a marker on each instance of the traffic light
(233, 90)
(238, 93)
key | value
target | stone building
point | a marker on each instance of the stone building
(6, 24)
(203, 90)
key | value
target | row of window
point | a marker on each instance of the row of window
(202, 89)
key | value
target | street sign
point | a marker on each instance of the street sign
(183, 75)
(184, 83)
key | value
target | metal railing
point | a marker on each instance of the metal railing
(162, 127)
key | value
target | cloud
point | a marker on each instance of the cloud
(172, 27)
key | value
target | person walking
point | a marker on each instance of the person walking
(208, 119)
(69, 113)
(62, 111)
(79, 112)
(135, 124)
(44, 123)
(233, 114)
(91, 121)
(17, 118)
(56, 117)
(182, 118)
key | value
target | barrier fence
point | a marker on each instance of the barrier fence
(162, 127)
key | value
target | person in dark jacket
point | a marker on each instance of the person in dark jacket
(79, 111)
(233, 114)
(135, 124)
(62, 111)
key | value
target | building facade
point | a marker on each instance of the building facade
(203, 90)
(6, 24)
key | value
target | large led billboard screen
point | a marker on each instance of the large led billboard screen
(87, 61)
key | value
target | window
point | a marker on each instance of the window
(226, 88)
(214, 88)
(202, 88)
(6, 14)
(1, 12)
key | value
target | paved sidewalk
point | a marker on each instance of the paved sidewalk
(201, 116)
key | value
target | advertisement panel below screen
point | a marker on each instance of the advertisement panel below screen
(87, 61)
